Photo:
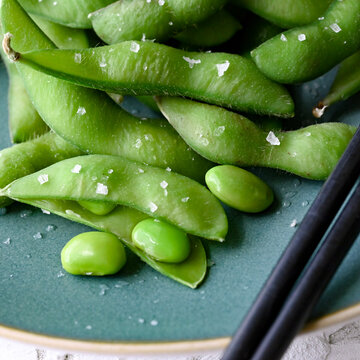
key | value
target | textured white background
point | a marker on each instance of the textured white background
(341, 342)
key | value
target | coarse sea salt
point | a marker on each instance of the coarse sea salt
(153, 207)
(191, 62)
(101, 189)
(134, 47)
(272, 139)
(221, 68)
(76, 169)
(335, 28)
(43, 178)
(301, 37)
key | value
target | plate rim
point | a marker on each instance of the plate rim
(157, 347)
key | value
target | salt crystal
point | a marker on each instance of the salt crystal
(161, 2)
(168, 169)
(221, 68)
(102, 189)
(301, 37)
(283, 37)
(185, 199)
(81, 110)
(141, 171)
(153, 207)
(43, 178)
(37, 236)
(76, 169)
(335, 28)
(272, 139)
(154, 322)
(219, 130)
(164, 184)
(293, 223)
(191, 62)
(47, 212)
(77, 58)
(7, 241)
(134, 47)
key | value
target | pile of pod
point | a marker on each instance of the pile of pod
(140, 182)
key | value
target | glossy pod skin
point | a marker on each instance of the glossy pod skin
(159, 193)
(121, 222)
(89, 119)
(229, 138)
(97, 207)
(147, 68)
(161, 241)
(286, 13)
(346, 84)
(213, 31)
(71, 13)
(24, 121)
(159, 20)
(23, 159)
(304, 53)
(93, 253)
(239, 188)
(63, 37)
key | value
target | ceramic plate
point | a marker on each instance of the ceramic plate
(140, 305)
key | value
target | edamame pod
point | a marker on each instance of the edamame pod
(23, 159)
(93, 253)
(304, 53)
(63, 37)
(89, 119)
(154, 191)
(239, 188)
(24, 121)
(72, 13)
(229, 138)
(346, 84)
(121, 222)
(138, 19)
(146, 68)
(286, 13)
(213, 31)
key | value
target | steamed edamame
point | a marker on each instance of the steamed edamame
(93, 253)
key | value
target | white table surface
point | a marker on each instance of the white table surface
(341, 342)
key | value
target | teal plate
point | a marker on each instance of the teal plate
(139, 304)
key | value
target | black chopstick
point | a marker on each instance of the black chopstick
(297, 254)
(313, 282)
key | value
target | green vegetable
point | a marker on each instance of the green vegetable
(138, 19)
(25, 158)
(154, 191)
(145, 68)
(90, 119)
(213, 31)
(121, 222)
(161, 241)
(24, 121)
(97, 207)
(229, 138)
(303, 53)
(239, 188)
(72, 13)
(93, 253)
(63, 37)
(286, 13)
(346, 84)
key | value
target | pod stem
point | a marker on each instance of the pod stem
(9, 51)
(318, 111)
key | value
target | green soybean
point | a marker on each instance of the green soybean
(229, 138)
(62, 36)
(121, 222)
(239, 188)
(24, 121)
(154, 191)
(146, 68)
(161, 241)
(346, 84)
(89, 119)
(98, 208)
(213, 31)
(304, 53)
(137, 19)
(28, 157)
(286, 13)
(93, 253)
(72, 13)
